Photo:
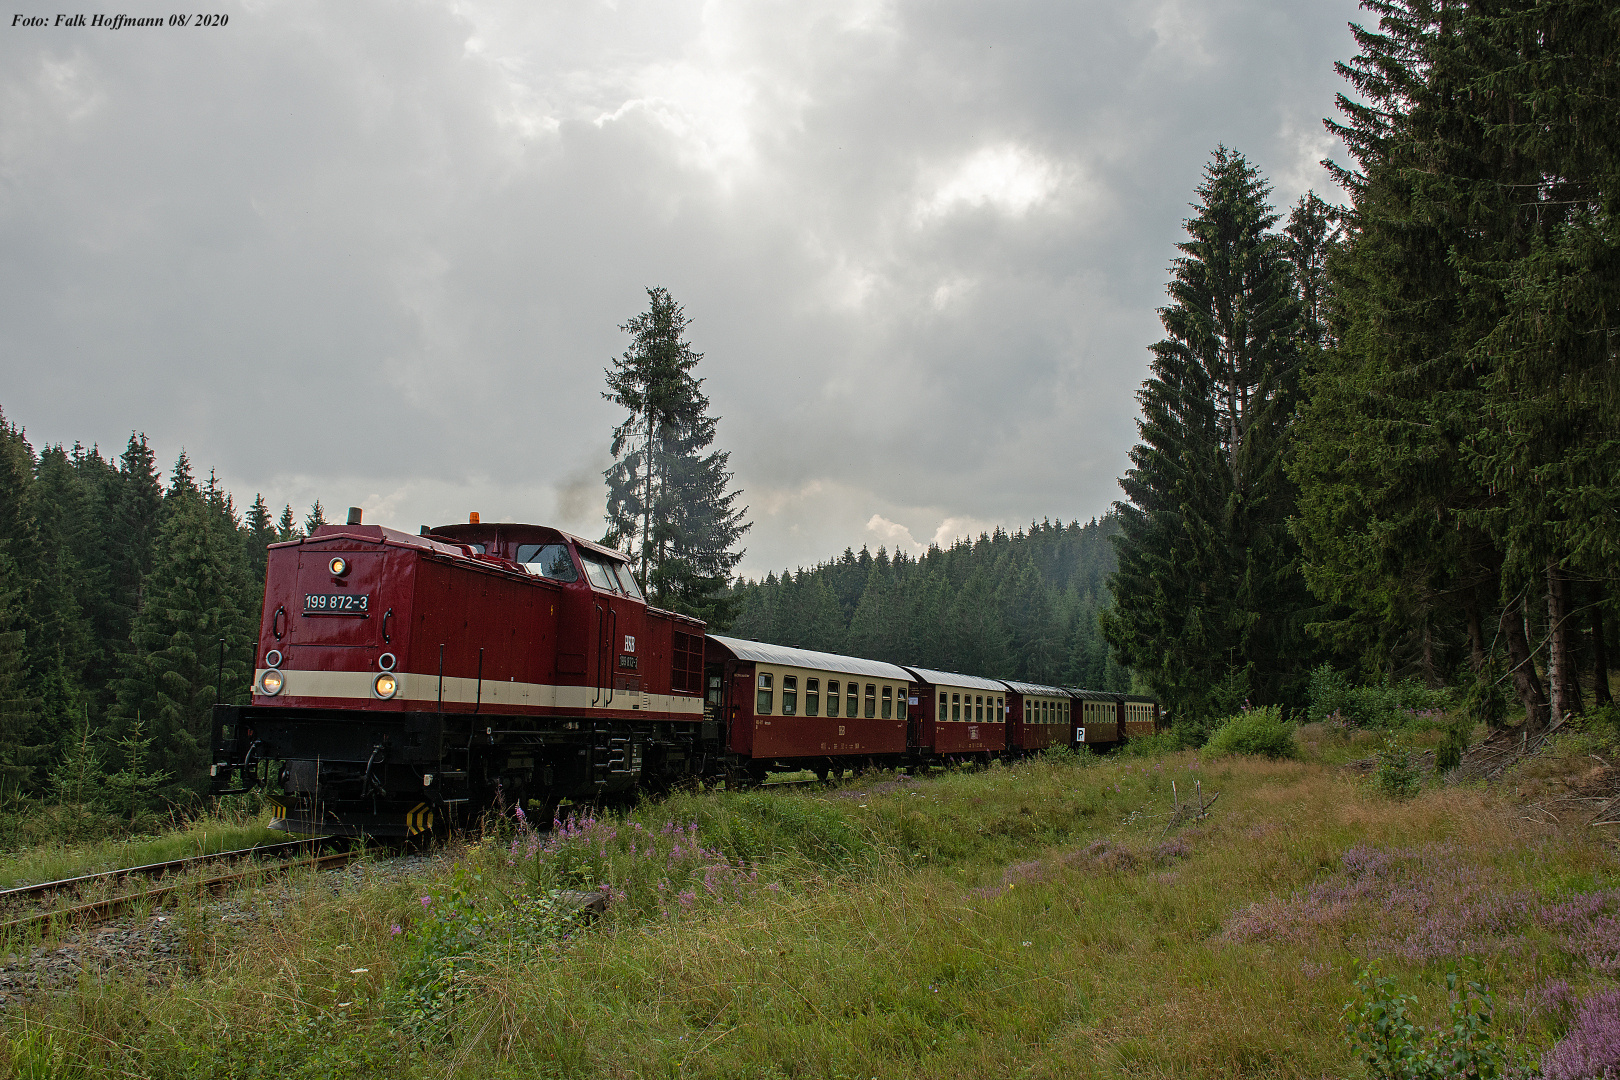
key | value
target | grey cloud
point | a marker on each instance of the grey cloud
(383, 250)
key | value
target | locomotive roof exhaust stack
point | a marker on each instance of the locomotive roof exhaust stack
(354, 515)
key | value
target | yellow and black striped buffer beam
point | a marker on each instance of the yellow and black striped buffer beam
(418, 819)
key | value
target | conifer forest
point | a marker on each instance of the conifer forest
(1378, 438)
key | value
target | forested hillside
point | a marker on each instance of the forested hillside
(1023, 605)
(125, 601)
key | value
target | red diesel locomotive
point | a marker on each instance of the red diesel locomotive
(406, 682)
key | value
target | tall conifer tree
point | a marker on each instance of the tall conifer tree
(1207, 596)
(668, 503)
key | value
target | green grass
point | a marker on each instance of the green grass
(1042, 920)
(53, 862)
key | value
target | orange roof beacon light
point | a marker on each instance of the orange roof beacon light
(472, 518)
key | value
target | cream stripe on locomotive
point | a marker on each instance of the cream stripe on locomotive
(423, 690)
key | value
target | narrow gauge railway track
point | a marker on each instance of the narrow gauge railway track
(319, 853)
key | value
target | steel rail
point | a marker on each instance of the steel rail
(99, 910)
(160, 868)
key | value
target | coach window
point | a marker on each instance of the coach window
(832, 697)
(871, 700)
(901, 693)
(547, 561)
(956, 706)
(790, 695)
(1001, 709)
(944, 707)
(852, 702)
(762, 703)
(812, 697)
(888, 703)
(978, 708)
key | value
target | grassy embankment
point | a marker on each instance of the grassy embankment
(1039, 920)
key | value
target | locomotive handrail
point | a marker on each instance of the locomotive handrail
(275, 621)
(389, 614)
(611, 642)
(597, 697)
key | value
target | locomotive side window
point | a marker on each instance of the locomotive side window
(888, 702)
(832, 697)
(597, 572)
(871, 700)
(812, 697)
(790, 695)
(627, 580)
(762, 702)
(547, 561)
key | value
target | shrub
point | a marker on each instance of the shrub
(1261, 732)
(1329, 693)
(1379, 1028)
(1157, 744)
(1387, 704)
(1397, 775)
(1449, 754)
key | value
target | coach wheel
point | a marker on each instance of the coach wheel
(822, 772)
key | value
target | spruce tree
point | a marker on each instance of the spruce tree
(668, 504)
(1208, 599)
(20, 746)
(195, 598)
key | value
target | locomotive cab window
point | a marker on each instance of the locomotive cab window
(762, 701)
(812, 697)
(547, 561)
(832, 697)
(790, 695)
(888, 702)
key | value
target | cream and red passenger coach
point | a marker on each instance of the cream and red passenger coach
(403, 682)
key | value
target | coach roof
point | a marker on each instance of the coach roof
(951, 678)
(761, 653)
(1037, 689)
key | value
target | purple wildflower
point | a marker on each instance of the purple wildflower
(1592, 1047)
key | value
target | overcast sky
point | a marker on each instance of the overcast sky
(379, 253)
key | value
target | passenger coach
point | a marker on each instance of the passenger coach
(788, 709)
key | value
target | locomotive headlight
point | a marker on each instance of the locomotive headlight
(270, 683)
(385, 685)
(339, 566)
